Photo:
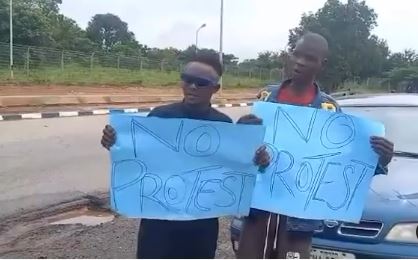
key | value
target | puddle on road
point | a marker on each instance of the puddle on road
(83, 216)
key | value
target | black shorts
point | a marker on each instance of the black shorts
(177, 239)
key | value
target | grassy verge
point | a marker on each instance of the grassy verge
(111, 76)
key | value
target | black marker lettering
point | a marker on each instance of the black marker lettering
(278, 173)
(346, 182)
(174, 147)
(202, 141)
(118, 169)
(366, 167)
(201, 190)
(175, 190)
(196, 182)
(342, 126)
(244, 181)
(244, 177)
(156, 181)
(304, 177)
(318, 175)
(305, 136)
(229, 191)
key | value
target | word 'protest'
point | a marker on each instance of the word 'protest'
(322, 162)
(182, 169)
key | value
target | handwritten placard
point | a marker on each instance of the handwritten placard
(322, 162)
(181, 169)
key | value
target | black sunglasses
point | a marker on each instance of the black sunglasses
(197, 81)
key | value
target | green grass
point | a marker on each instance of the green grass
(111, 76)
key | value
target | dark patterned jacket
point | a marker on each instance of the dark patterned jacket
(323, 101)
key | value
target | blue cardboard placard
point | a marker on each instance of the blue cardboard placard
(182, 169)
(322, 162)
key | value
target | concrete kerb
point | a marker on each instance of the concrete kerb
(21, 116)
(58, 100)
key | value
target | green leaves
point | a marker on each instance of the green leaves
(354, 52)
(399, 75)
(38, 23)
(108, 30)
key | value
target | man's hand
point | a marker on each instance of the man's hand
(384, 148)
(109, 137)
(262, 157)
(250, 120)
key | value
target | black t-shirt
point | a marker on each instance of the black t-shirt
(180, 239)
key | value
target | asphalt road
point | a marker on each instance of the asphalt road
(46, 161)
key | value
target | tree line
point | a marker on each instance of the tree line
(355, 53)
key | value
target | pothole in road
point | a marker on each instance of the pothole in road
(84, 216)
(55, 222)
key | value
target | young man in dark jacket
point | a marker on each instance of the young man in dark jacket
(268, 235)
(197, 238)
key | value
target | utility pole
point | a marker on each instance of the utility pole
(11, 40)
(221, 43)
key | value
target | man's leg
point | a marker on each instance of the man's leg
(153, 240)
(293, 244)
(253, 235)
(200, 239)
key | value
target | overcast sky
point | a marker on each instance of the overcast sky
(250, 26)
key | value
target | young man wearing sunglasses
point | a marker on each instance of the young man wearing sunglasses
(198, 238)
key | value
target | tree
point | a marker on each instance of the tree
(168, 57)
(48, 7)
(108, 30)
(403, 59)
(31, 25)
(132, 48)
(376, 61)
(354, 52)
(69, 36)
(400, 75)
(187, 54)
(230, 59)
(267, 60)
(190, 52)
(38, 23)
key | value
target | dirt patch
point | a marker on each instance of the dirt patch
(80, 90)
(116, 239)
(29, 99)
(40, 234)
(91, 90)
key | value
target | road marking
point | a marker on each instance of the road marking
(101, 112)
(50, 115)
(243, 105)
(1, 118)
(228, 105)
(32, 116)
(68, 113)
(215, 106)
(131, 110)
